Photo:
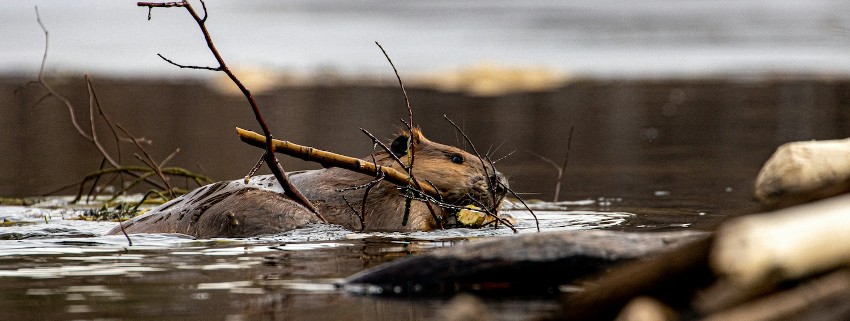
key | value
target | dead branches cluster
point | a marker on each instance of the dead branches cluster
(413, 188)
(268, 157)
(113, 170)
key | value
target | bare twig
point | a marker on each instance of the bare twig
(406, 100)
(560, 169)
(566, 161)
(92, 137)
(495, 216)
(351, 207)
(169, 157)
(536, 221)
(162, 4)
(378, 142)
(490, 183)
(477, 154)
(121, 225)
(189, 66)
(150, 162)
(410, 149)
(271, 160)
(255, 168)
(47, 87)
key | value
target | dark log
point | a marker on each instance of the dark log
(531, 263)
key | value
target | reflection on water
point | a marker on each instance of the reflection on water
(75, 270)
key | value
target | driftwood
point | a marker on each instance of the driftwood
(328, 159)
(800, 172)
(785, 244)
(531, 263)
(671, 277)
(822, 299)
(749, 266)
(647, 309)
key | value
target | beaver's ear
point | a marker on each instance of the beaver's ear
(399, 146)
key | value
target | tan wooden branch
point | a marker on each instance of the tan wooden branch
(328, 159)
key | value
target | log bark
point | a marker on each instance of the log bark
(328, 159)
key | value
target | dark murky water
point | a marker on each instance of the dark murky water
(56, 268)
(645, 156)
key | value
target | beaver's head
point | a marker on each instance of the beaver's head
(460, 177)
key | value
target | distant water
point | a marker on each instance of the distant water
(613, 38)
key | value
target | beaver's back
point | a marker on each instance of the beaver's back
(225, 209)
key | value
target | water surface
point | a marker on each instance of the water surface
(56, 267)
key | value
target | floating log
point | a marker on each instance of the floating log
(530, 263)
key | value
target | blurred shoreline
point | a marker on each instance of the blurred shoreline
(702, 140)
(646, 39)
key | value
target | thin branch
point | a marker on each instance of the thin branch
(378, 142)
(92, 103)
(545, 159)
(564, 165)
(560, 169)
(379, 176)
(150, 162)
(94, 184)
(162, 4)
(189, 66)
(495, 216)
(483, 165)
(490, 183)
(411, 178)
(47, 87)
(351, 207)
(403, 92)
(536, 221)
(169, 157)
(46, 45)
(270, 158)
(91, 137)
(410, 143)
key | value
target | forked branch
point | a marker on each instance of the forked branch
(270, 159)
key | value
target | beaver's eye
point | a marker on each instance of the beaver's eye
(457, 159)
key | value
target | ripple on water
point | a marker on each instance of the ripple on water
(80, 248)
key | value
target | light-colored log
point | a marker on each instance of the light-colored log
(803, 171)
(328, 159)
(786, 244)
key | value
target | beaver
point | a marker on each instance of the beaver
(243, 208)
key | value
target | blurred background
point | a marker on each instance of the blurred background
(613, 38)
(675, 103)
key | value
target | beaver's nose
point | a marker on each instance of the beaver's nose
(499, 182)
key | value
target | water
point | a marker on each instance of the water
(54, 267)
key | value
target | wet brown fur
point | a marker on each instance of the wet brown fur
(232, 209)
